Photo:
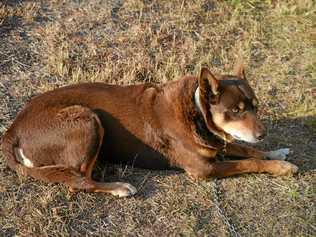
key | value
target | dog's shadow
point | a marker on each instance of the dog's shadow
(298, 134)
(143, 179)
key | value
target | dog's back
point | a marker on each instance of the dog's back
(122, 110)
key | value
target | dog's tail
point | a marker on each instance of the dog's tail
(10, 144)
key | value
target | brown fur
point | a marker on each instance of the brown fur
(63, 132)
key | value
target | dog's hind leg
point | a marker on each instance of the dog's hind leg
(88, 165)
(63, 148)
(82, 180)
(75, 180)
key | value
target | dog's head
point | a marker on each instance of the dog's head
(229, 106)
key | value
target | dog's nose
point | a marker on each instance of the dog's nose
(261, 135)
(260, 131)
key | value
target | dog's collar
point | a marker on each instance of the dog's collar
(224, 137)
(197, 101)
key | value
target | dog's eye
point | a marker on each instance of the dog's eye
(241, 106)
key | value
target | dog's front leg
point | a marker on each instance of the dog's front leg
(233, 149)
(244, 151)
(274, 167)
(230, 168)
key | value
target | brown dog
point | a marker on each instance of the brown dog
(59, 135)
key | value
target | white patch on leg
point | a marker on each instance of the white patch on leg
(280, 154)
(25, 161)
(125, 190)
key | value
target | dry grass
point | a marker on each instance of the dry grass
(47, 44)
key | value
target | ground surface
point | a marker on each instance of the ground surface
(47, 44)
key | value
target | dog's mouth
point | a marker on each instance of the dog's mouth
(236, 137)
(245, 139)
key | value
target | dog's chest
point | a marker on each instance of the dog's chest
(206, 152)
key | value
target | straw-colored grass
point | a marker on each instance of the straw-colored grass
(47, 44)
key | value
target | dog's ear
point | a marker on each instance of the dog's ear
(239, 70)
(209, 93)
(208, 84)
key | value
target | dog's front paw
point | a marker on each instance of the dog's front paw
(124, 190)
(284, 168)
(280, 154)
